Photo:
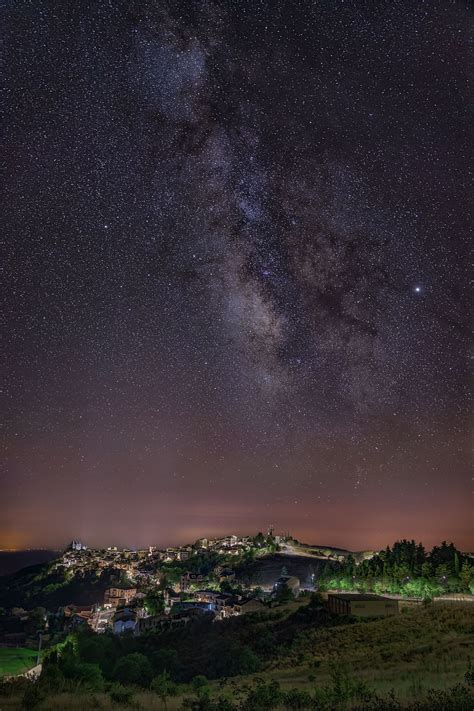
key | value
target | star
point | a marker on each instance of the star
(247, 248)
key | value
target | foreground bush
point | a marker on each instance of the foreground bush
(121, 695)
(134, 668)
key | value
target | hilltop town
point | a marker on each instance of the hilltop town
(142, 590)
(123, 622)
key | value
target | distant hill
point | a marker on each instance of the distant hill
(12, 561)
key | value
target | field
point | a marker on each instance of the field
(424, 648)
(16, 660)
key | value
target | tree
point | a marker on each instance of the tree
(232, 659)
(89, 676)
(36, 620)
(457, 565)
(133, 669)
(98, 649)
(350, 564)
(426, 570)
(154, 602)
(52, 678)
(284, 594)
(465, 576)
(165, 660)
(200, 685)
(164, 687)
(442, 571)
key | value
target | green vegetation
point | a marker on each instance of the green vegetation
(294, 655)
(343, 692)
(297, 657)
(405, 569)
(16, 661)
(52, 587)
(154, 602)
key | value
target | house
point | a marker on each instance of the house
(363, 605)
(124, 621)
(226, 575)
(288, 582)
(78, 619)
(119, 596)
(70, 610)
(190, 579)
(188, 605)
(153, 623)
(225, 549)
(102, 620)
(171, 597)
(209, 596)
(225, 604)
(229, 541)
(186, 614)
(248, 604)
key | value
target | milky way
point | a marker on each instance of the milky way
(234, 281)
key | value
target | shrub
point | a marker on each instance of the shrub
(200, 685)
(163, 686)
(52, 678)
(296, 700)
(89, 676)
(32, 697)
(133, 669)
(121, 695)
(265, 697)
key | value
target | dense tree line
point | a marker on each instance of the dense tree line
(406, 568)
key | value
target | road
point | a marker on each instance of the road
(290, 549)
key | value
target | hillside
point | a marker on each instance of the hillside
(264, 571)
(299, 654)
(43, 585)
(422, 648)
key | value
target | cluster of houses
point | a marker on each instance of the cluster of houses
(139, 565)
(229, 545)
(123, 609)
(143, 565)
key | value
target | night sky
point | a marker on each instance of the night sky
(234, 271)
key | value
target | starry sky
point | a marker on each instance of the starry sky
(234, 282)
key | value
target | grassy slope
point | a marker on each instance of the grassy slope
(424, 647)
(16, 661)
